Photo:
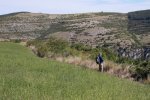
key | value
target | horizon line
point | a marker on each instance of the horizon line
(72, 13)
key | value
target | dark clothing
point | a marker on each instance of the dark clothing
(100, 59)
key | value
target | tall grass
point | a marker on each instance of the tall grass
(23, 76)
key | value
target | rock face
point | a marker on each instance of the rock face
(135, 53)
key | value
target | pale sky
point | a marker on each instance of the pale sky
(72, 6)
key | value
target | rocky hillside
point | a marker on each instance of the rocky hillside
(123, 32)
(95, 29)
(139, 23)
(25, 25)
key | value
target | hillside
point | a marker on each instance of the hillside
(120, 32)
(139, 23)
(25, 76)
(95, 29)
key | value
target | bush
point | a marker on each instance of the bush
(16, 40)
(125, 60)
(42, 51)
(57, 45)
(143, 69)
(81, 47)
(94, 52)
(109, 54)
(106, 53)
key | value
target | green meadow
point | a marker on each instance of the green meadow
(24, 76)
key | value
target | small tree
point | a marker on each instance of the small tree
(143, 69)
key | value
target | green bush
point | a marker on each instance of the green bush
(94, 52)
(143, 68)
(16, 40)
(57, 45)
(81, 47)
(125, 60)
(109, 54)
(36, 43)
(42, 51)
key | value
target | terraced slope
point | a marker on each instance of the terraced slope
(23, 76)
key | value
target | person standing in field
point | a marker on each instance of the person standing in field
(100, 62)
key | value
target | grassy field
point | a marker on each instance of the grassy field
(23, 76)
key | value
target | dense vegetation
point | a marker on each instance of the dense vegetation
(23, 76)
(61, 47)
(55, 47)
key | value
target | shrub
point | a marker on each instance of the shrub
(94, 52)
(109, 54)
(42, 51)
(81, 47)
(16, 40)
(143, 69)
(57, 45)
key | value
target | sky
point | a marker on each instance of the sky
(72, 6)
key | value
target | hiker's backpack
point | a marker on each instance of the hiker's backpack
(99, 59)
